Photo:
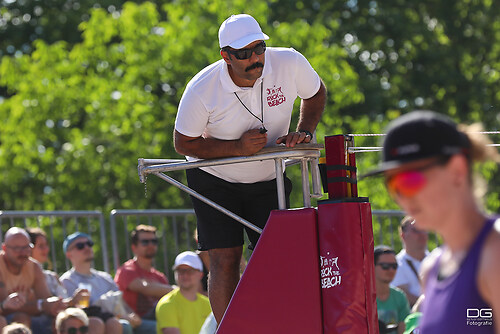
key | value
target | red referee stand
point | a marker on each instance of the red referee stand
(312, 270)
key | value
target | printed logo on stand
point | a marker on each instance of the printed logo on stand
(479, 317)
(330, 272)
(275, 96)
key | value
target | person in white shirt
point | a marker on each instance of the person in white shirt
(235, 107)
(410, 258)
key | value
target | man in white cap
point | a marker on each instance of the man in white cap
(235, 107)
(183, 310)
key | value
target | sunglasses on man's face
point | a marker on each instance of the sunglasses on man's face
(81, 245)
(81, 330)
(387, 265)
(146, 242)
(247, 53)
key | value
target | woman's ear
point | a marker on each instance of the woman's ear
(458, 166)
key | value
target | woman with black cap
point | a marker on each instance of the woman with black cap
(427, 164)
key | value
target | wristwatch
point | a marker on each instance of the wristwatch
(308, 133)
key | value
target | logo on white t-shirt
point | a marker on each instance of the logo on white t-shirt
(275, 96)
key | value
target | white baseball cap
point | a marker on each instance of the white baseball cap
(190, 259)
(240, 30)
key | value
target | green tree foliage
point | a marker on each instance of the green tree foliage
(79, 106)
(78, 116)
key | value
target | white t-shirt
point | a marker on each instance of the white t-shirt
(405, 275)
(209, 107)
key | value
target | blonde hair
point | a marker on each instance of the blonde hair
(70, 312)
(16, 328)
(480, 150)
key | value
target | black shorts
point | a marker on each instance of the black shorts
(251, 201)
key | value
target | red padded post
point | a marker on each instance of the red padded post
(340, 167)
(347, 271)
(279, 291)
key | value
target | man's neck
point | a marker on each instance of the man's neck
(417, 254)
(83, 268)
(190, 294)
(144, 263)
(382, 289)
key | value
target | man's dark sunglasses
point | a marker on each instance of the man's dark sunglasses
(146, 242)
(247, 53)
(386, 266)
(74, 330)
(81, 245)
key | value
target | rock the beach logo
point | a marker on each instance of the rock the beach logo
(330, 272)
(275, 96)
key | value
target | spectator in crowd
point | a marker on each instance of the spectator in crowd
(72, 321)
(40, 253)
(184, 310)
(16, 328)
(428, 164)
(19, 273)
(409, 259)
(78, 249)
(392, 305)
(141, 283)
(235, 107)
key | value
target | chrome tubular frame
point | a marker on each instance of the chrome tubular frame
(283, 156)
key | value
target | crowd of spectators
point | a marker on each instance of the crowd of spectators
(85, 300)
(36, 300)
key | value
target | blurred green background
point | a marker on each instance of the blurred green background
(88, 87)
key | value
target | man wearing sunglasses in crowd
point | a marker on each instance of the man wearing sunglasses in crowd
(72, 321)
(392, 305)
(141, 283)
(235, 107)
(78, 249)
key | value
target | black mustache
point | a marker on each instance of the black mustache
(254, 65)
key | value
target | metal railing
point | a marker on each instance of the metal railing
(175, 228)
(302, 153)
(90, 222)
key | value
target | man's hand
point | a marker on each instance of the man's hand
(14, 301)
(52, 306)
(293, 138)
(133, 319)
(252, 142)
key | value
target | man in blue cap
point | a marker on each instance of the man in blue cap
(78, 249)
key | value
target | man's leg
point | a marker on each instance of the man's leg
(223, 278)
(113, 326)
(96, 325)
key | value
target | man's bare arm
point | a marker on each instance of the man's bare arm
(250, 143)
(310, 113)
(154, 289)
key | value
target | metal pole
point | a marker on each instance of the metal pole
(280, 183)
(114, 243)
(306, 195)
(316, 178)
(209, 202)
